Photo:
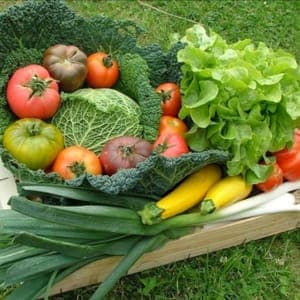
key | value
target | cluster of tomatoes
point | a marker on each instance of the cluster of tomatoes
(127, 151)
(171, 141)
(286, 166)
(33, 95)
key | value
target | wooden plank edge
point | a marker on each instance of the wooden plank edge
(200, 242)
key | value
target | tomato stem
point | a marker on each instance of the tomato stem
(33, 129)
(107, 61)
(165, 95)
(37, 85)
(77, 168)
(127, 150)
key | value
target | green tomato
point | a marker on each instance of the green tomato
(33, 142)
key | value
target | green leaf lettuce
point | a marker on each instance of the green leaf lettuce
(238, 97)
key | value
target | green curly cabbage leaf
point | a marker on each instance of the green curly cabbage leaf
(153, 177)
(91, 117)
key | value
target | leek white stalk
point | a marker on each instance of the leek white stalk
(276, 201)
(260, 199)
(283, 203)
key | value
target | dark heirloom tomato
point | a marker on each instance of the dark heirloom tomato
(103, 70)
(67, 64)
(123, 153)
(33, 142)
(32, 93)
(74, 161)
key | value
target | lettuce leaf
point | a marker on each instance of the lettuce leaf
(239, 97)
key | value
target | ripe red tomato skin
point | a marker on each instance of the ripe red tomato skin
(169, 124)
(273, 181)
(123, 153)
(102, 70)
(171, 98)
(23, 103)
(170, 145)
(76, 157)
(289, 159)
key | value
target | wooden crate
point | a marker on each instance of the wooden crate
(202, 240)
(209, 239)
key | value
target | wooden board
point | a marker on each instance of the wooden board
(202, 241)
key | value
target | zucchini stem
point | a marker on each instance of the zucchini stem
(207, 206)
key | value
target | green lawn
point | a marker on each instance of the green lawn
(264, 269)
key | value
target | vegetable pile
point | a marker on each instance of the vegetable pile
(116, 149)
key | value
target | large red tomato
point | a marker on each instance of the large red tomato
(170, 98)
(289, 159)
(169, 124)
(273, 181)
(102, 70)
(32, 93)
(123, 153)
(74, 161)
(170, 145)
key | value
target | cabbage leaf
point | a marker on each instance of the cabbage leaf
(91, 117)
(153, 177)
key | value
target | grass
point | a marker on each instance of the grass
(264, 269)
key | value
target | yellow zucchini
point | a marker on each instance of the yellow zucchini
(185, 196)
(226, 191)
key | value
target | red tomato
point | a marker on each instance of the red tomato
(273, 181)
(32, 93)
(289, 159)
(170, 124)
(74, 161)
(102, 70)
(123, 153)
(171, 98)
(170, 145)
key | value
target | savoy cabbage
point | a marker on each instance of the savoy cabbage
(91, 117)
(21, 43)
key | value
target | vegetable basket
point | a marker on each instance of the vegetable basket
(58, 251)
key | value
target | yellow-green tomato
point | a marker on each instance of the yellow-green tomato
(33, 142)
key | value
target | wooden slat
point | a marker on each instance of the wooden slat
(200, 242)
